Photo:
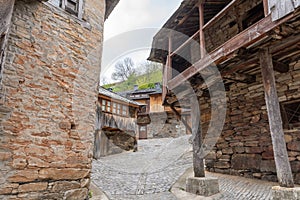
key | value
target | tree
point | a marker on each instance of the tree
(123, 70)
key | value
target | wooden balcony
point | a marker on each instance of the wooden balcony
(249, 34)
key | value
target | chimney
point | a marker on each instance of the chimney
(135, 87)
(157, 86)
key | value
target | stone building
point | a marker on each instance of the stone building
(255, 47)
(50, 66)
(163, 122)
(116, 124)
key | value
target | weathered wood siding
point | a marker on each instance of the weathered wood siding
(281, 8)
(156, 103)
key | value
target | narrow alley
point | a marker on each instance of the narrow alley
(151, 172)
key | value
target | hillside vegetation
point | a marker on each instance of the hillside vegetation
(144, 81)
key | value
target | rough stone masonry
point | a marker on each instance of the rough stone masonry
(48, 99)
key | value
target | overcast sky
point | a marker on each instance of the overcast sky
(132, 22)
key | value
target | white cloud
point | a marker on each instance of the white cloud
(130, 15)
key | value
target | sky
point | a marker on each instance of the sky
(129, 30)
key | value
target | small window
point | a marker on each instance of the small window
(73, 7)
(118, 109)
(108, 107)
(114, 108)
(290, 112)
(124, 110)
(103, 105)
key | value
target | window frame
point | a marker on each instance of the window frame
(63, 4)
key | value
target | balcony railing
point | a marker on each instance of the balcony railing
(169, 81)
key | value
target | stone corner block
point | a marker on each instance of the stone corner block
(279, 193)
(202, 186)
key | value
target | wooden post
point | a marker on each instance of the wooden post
(198, 162)
(201, 23)
(266, 7)
(169, 66)
(283, 168)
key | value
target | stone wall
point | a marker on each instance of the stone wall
(165, 125)
(245, 147)
(50, 80)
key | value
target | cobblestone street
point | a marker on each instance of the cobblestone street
(151, 172)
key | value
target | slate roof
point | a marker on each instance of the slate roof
(116, 96)
(110, 5)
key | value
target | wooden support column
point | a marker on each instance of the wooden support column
(198, 162)
(266, 7)
(169, 66)
(201, 23)
(283, 168)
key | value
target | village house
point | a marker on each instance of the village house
(50, 57)
(255, 46)
(116, 124)
(162, 121)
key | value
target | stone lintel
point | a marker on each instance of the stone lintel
(203, 186)
(279, 193)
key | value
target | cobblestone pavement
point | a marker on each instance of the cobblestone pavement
(239, 188)
(146, 174)
(150, 173)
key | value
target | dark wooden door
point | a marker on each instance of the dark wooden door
(142, 132)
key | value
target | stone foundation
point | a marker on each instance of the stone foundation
(202, 186)
(48, 100)
(280, 193)
(164, 125)
(245, 146)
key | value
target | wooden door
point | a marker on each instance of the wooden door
(142, 132)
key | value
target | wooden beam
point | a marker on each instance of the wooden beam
(178, 115)
(242, 78)
(187, 16)
(202, 37)
(283, 168)
(244, 39)
(198, 161)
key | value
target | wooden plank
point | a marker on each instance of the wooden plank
(283, 168)
(244, 39)
(280, 9)
(198, 162)
(187, 126)
(202, 37)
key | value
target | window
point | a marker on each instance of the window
(124, 110)
(290, 112)
(103, 105)
(114, 107)
(73, 7)
(118, 109)
(108, 106)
